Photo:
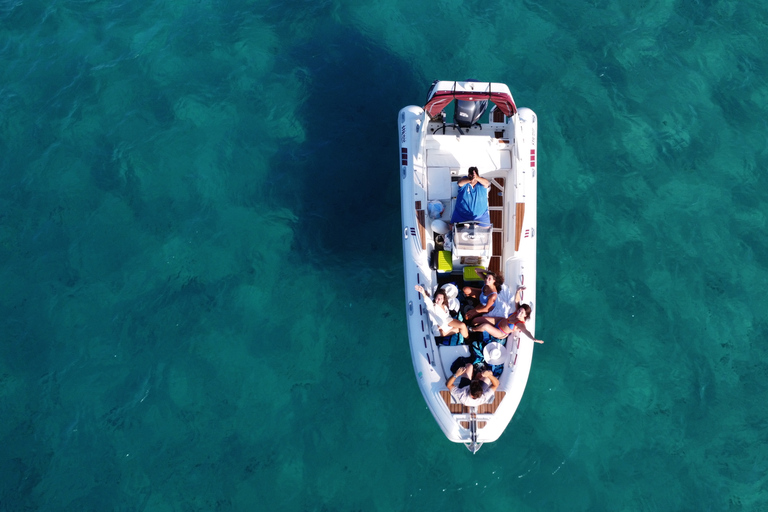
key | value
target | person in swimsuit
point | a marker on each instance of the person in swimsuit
(443, 323)
(502, 327)
(486, 295)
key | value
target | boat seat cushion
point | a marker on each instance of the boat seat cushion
(470, 273)
(450, 354)
(438, 183)
(444, 261)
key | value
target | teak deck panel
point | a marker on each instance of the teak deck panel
(496, 194)
(483, 409)
(495, 264)
(496, 212)
(496, 217)
(421, 217)
(519, 214)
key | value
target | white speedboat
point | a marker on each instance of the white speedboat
(435, 153)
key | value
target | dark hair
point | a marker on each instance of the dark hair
(445, 296)
(498, 279)
(476, 388)
(527, 309)
(474, 169)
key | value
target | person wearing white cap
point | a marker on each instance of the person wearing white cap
(442, 322)
(480, 389)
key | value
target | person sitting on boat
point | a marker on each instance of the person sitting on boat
(501, 328)
(480, 389)
(486, 295)
(442, 322)
(472, 199)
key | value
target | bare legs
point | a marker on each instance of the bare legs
(487, 324)
(454, 327)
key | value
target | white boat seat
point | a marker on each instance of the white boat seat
(439, 183)
(449, 354)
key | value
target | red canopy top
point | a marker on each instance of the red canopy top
(443, 92)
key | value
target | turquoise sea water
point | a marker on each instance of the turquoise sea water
(201, 266)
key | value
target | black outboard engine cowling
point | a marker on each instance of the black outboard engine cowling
(468, 113)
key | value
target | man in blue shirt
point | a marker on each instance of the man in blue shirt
(472, 199)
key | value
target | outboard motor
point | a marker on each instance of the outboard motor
(468, 113)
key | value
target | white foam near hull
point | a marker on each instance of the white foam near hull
(504, 148)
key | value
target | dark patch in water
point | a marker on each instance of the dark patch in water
(349, 190)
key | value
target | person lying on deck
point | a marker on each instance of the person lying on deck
(443, 323)
(502, 327)
(486, 295)
(472, 199)
(480, 389)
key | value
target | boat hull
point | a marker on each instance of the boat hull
(504, 150)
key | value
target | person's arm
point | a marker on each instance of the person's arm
(434, 316)
(494, 381)
(481, 272)
(525, 331)
(450, 382)
(463, 181)
(484, 182)
(488, 305)
(482, 310)
(519, 296)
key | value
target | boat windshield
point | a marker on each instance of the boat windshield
(472, 238)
